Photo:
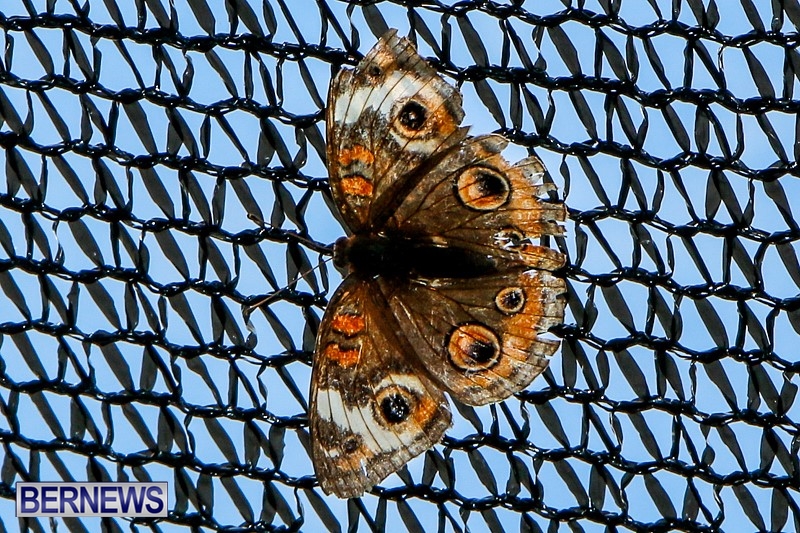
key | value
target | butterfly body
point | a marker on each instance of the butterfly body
(446, 290)
(404, 258)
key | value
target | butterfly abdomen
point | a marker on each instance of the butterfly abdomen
(380, 255)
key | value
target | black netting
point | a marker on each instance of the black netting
(137, 138)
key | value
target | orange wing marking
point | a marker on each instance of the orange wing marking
(357, 153)
(344, 358)
(347, 324)
(356, 185)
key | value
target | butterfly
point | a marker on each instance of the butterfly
(445, 289)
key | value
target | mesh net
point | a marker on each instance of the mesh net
(138, 137)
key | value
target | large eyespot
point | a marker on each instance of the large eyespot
(483, 189)
(510, 300)
(395, 408)
(395, 404)
(412, 116)
(473, 347)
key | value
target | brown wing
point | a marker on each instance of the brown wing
(480, 338)
(386, 119)
(473, 198)
(372, 409)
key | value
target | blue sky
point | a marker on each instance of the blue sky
(208, 89)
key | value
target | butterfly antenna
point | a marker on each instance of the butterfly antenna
(284, 235)
(267, 299)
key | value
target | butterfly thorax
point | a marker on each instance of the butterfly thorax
(406, 256)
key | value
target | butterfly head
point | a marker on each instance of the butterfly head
(341, 249)
(369, 255)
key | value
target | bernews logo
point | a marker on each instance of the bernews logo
(92, 499)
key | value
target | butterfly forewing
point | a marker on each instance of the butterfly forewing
(386, 118)
(372, 408)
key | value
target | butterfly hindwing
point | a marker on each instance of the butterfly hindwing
(386, 118)
(480, 338)
(372, 409)
(473, 198)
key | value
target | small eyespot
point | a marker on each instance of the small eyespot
(473, 347)
(510, 238)
(483, 189)
(395, 408)
(412, 116)
(374, 71)
(510, 300)
(350, 445)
